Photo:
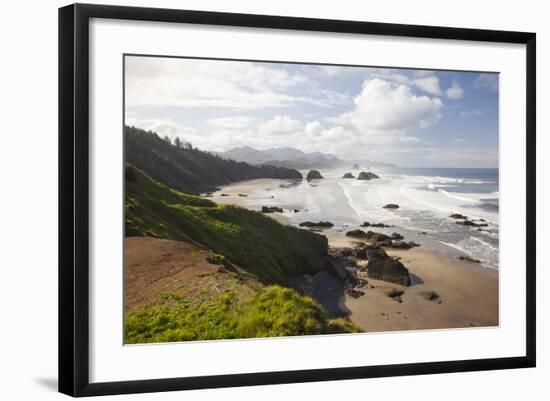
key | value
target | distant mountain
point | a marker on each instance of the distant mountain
(283, 157)
(294, 158)
(365, 164)
(188, 169)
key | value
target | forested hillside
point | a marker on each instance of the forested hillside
(269, 250)
(188, 169)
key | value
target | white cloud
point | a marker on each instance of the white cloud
(455, 91)
(385, 108)
(487, 81)
(471, 113)
(154, 81)
(280, 125)
(429, 84)
(230, 122)
(426, 81)
(171, 129)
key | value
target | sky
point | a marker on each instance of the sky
(411, 118)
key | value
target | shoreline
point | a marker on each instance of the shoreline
(468, 293)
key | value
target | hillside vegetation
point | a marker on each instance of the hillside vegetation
(270, 312)
(188, 169)
(258, 244)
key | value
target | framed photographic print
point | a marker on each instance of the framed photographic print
(251, 199)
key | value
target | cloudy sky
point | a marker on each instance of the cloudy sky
(413, 118)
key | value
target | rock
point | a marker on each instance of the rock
(376, 237)
(386, 242)
(423, 232)
(348, 175)
(400, 245)
(296, 210)
(391, 206)
(224, 195)
(471, 223)
(378, 225)
(364, 175)
(429, 295)
(458, 216)
(412, 243)
(396, 236)
(352, 292)
(355, 166)
(320, 224)
(271, 209)
(370, 252)
(314, 175)
(393, 292)
(467, 258)
(356, 234)
(388, 269)
(341, 252)
(243, 195)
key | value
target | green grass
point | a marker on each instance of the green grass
(258, 244)
(270, 312)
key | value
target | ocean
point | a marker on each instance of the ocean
(426, 196)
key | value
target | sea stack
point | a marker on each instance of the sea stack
(355, 166)
(348, 175)
(364, 175)
(314, 175)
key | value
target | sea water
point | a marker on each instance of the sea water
(426, 198)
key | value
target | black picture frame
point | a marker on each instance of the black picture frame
(74, 200)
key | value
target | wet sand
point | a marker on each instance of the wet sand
(467, 293)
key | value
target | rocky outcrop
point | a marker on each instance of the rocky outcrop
(348, 175)
(314, 175)
(391, 206)
(396, 236)
(400, 245)
(467, 258)
(388, 269)
(458, 216)
(378, 225)
(367, 252)
(320, 224)
(429, 295)
(471, 223)
(355, 166)
(357, 234)
(366, 175)
(271, 209)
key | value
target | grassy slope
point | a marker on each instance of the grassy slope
(190, 170)
(271, 311)
(271, 251)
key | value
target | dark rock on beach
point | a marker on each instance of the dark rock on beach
(378, 225)
(400, 245)
(370, 252)
(396, 236)
(320, 224)
(357, 234)
(458, 216)
(429, 295)
(470, 223)
(377, 237)
(348, 175)
(314, 175)
(271, 209)
(364, 175)
(391, 206)
(467, 258)
(388, 269)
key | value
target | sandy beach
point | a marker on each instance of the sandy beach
(468, 294)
